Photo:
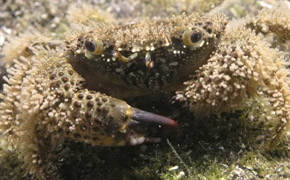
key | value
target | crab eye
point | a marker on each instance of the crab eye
(90, 45)
(193, 38)
(96, 47)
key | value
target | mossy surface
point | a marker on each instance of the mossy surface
(10, 166)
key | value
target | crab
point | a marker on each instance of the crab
(74, 88)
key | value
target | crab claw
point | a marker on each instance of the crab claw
(108, 121)
(150, 118)
(142, 123)
(132, 126)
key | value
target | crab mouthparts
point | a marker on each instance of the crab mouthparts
(144, 125)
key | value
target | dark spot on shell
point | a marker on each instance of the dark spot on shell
(88, 115)
(80, 96)
(77, 135)
(58, 83)
(99, 103)
(96, 139)
(209, 30)
(89, 97)
(60, 73)
(98, 121)
(86, 137)
(70, 72)
(64, 79)
(97, 99)
(66, 87)
(99, 109)
(77, 104)
(104, 99)
(90, 104)
(52, 85)
(53, 76)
